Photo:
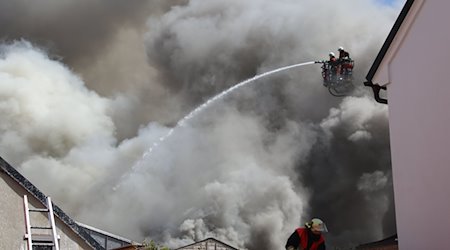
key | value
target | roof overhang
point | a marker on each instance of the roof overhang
(379, 74)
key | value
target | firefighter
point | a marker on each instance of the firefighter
(343, 55)
(332, 58)
(329, 69)
(309, 237)
(333, 64)
(344, 61)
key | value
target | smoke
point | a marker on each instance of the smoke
(102, 41)
(212, 46)
(352, 157)
(223, 181)
(249, 169)
(75, 30)
(38, 96)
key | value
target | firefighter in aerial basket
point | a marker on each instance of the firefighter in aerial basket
(309, 237)
(345, 62)
(333, 61)
(332, 66)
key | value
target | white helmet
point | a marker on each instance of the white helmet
(340, 48)
(317, 225)
(331, 54)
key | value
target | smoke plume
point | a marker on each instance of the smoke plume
(93, 85)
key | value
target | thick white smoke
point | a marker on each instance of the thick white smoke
(249, 169)
(221, 172)
(223, 181)
(52, 122)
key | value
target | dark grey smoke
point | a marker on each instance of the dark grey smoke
(78, 30)
(213, 45)
(349, 171)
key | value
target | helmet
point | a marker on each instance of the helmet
(317, 225)
(331, 54)
(340, 48)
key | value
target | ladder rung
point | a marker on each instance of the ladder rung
(43, 244)
(38, 210)
(42, 238)
(40, 227)
(45, 240)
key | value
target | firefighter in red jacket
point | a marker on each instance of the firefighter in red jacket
(333, 60)
(331, 70)
(309, 237)
(344, 61)
(343, 55)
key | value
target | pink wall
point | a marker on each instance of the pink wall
(419, 120)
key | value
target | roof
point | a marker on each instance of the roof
(195, 243)
(105, 233)
(22, 181)
(387, 43)
(108, 240)
(392, 240)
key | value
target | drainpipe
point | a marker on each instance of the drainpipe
(376, 91)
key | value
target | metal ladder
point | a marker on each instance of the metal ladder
(41, 241)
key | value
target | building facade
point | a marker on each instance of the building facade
(413, 68)
(13, 187)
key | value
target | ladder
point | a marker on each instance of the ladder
(40, 240)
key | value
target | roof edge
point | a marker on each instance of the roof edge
(209, 238)
(105, 233)
(387, 43)
(32, 189)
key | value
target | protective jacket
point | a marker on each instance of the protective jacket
(304, 239)
(343, 55)
(303, 234)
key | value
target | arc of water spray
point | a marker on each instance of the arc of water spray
(193, 113)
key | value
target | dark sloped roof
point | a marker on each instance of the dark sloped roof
(21, 180)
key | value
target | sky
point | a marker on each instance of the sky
(388, 2)
(89, 88)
